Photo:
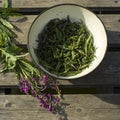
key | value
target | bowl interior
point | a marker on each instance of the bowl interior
(76, 13)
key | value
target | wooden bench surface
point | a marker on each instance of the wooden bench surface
(74, 107)
(93, 97)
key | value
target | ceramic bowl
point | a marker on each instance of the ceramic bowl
(76, 13)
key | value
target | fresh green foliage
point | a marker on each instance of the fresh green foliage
(11, 55)
(12, 58)
(5, 4)
(6, 23)
(65, 47)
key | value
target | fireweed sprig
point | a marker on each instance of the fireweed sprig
(12, 58)
(47, 101)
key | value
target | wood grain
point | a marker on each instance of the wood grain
(8, 79)
(107, 73)
(77, 107)
(48, 3)
(111, 22)
(1, 3)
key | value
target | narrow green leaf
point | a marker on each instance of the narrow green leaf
(73, 55)
(58, 66)
(5, 3)
(87, 42)
(6, 23)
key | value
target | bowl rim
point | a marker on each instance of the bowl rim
(64, 77)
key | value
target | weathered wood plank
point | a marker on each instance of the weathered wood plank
(111, 22)
(82, 107)
(8, 79)
(48, 3)
(107, 73)
(1, 3)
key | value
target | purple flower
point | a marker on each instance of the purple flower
(35, 79)
(44, 104)
(47, 82)
(48, 95)
(44, 79)
(52, 98)
(48, 107)
(56, 100)
(24, 86)
(48, 101)
(33, 92)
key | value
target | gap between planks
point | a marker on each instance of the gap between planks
(96, 10)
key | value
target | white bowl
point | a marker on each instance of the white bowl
(76, 13)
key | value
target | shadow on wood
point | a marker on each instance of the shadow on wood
(110, 99)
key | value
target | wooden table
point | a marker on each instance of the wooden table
(93, 97)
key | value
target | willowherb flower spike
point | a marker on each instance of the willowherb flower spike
(44, 79)
(33, 87)
(24, 86)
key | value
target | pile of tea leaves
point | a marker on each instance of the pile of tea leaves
(64, 47)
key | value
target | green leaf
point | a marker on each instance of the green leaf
(1, 39)
(73, 55)
(30, 67)
(87, 43)
(10, 60)
(58, 66)
(6, 23)
(5, 3)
